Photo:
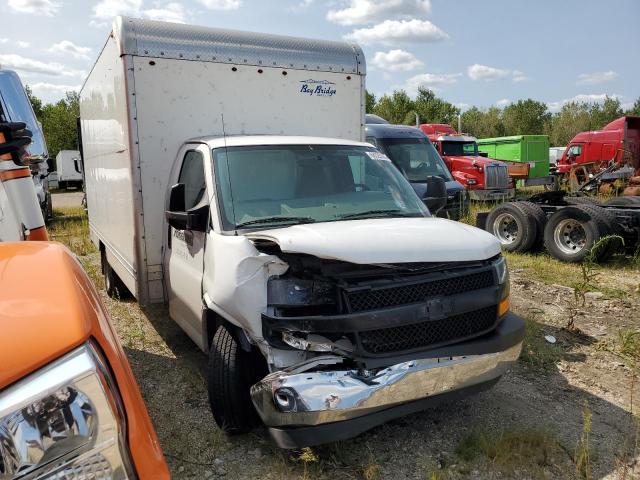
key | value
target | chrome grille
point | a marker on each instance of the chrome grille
(496, 176)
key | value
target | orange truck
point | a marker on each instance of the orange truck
(69, 404)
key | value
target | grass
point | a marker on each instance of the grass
(70, 227)
(515, 448)
(537, 353)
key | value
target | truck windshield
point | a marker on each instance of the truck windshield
(416, 158)
(460, 149)
(267, 186)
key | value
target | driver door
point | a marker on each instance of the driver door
(184, 258)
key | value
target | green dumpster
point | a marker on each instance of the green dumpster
(533, 149)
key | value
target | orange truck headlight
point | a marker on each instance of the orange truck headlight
(63, 421)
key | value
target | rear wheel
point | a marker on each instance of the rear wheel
(232, 371)
(540, 219)
(513, 225)
(113, 285)
(572, 232)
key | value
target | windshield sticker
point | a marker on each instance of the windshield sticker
(378, 156)
(319, 88)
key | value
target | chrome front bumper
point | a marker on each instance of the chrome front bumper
(284, 399)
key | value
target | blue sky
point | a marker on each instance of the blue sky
(471, 52)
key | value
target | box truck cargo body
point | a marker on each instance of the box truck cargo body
(69, 169)
(226, 175)
(156, 85)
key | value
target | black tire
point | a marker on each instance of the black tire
(231, 373)
(112, 284)
(513, 225)
(606, 216)
(572, 231)
(540, 219)
(625, 201)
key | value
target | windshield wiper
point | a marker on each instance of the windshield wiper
(276, 220)
(380, 213)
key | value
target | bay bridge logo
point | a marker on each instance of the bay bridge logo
(320, 88)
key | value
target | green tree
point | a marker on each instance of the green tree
(59, 123)
(483, 123)
(395, 108)
(525, 117)
(36, 103)
(370, 101)
(635, 110)
(572, 118)
(432, 109)
(604, 113)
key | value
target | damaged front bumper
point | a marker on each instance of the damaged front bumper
(304, 408)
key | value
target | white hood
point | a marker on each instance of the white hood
(386, 240)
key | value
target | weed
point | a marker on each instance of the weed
(582, 456)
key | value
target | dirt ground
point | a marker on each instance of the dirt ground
(67, 199)
(565, 411)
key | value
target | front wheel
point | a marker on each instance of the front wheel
(232, 371)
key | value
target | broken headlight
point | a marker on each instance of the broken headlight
(64, 421)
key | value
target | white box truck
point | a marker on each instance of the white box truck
(226, 175)
(69, 169)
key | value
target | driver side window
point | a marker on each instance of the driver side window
(575, 151)
(192, 176)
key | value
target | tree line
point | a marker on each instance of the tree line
(58, 121)
(524, 117)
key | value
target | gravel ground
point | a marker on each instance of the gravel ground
(534, 417)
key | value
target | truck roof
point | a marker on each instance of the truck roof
(45, 309)
(512, 139)
(380, 130)
(251, 140)
(148, 38)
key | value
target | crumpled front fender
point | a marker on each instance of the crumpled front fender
(235, 280)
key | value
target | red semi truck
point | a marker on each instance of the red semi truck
(618, 141)
(485, 179)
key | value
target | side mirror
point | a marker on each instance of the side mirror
(178, 217)
(436, 195)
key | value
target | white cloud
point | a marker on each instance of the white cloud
(107, 9)
(22, 64)
(487, 73)
(503, 102)
(484, 72)
(4, 40)
(221, 4)
(22, 44)
(359, 12)
(596, 77)
(68, 47)
(53, 88)
(518, 76)
(396, 61)
(391, 32)
(36, 7)
(171, 12)
(582, 98)
(300, 6)
(430, 80)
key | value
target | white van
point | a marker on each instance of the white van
(226, 175)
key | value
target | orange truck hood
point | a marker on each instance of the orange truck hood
(48, 306)
(41, 314)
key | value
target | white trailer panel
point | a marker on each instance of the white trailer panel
(68, 166)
